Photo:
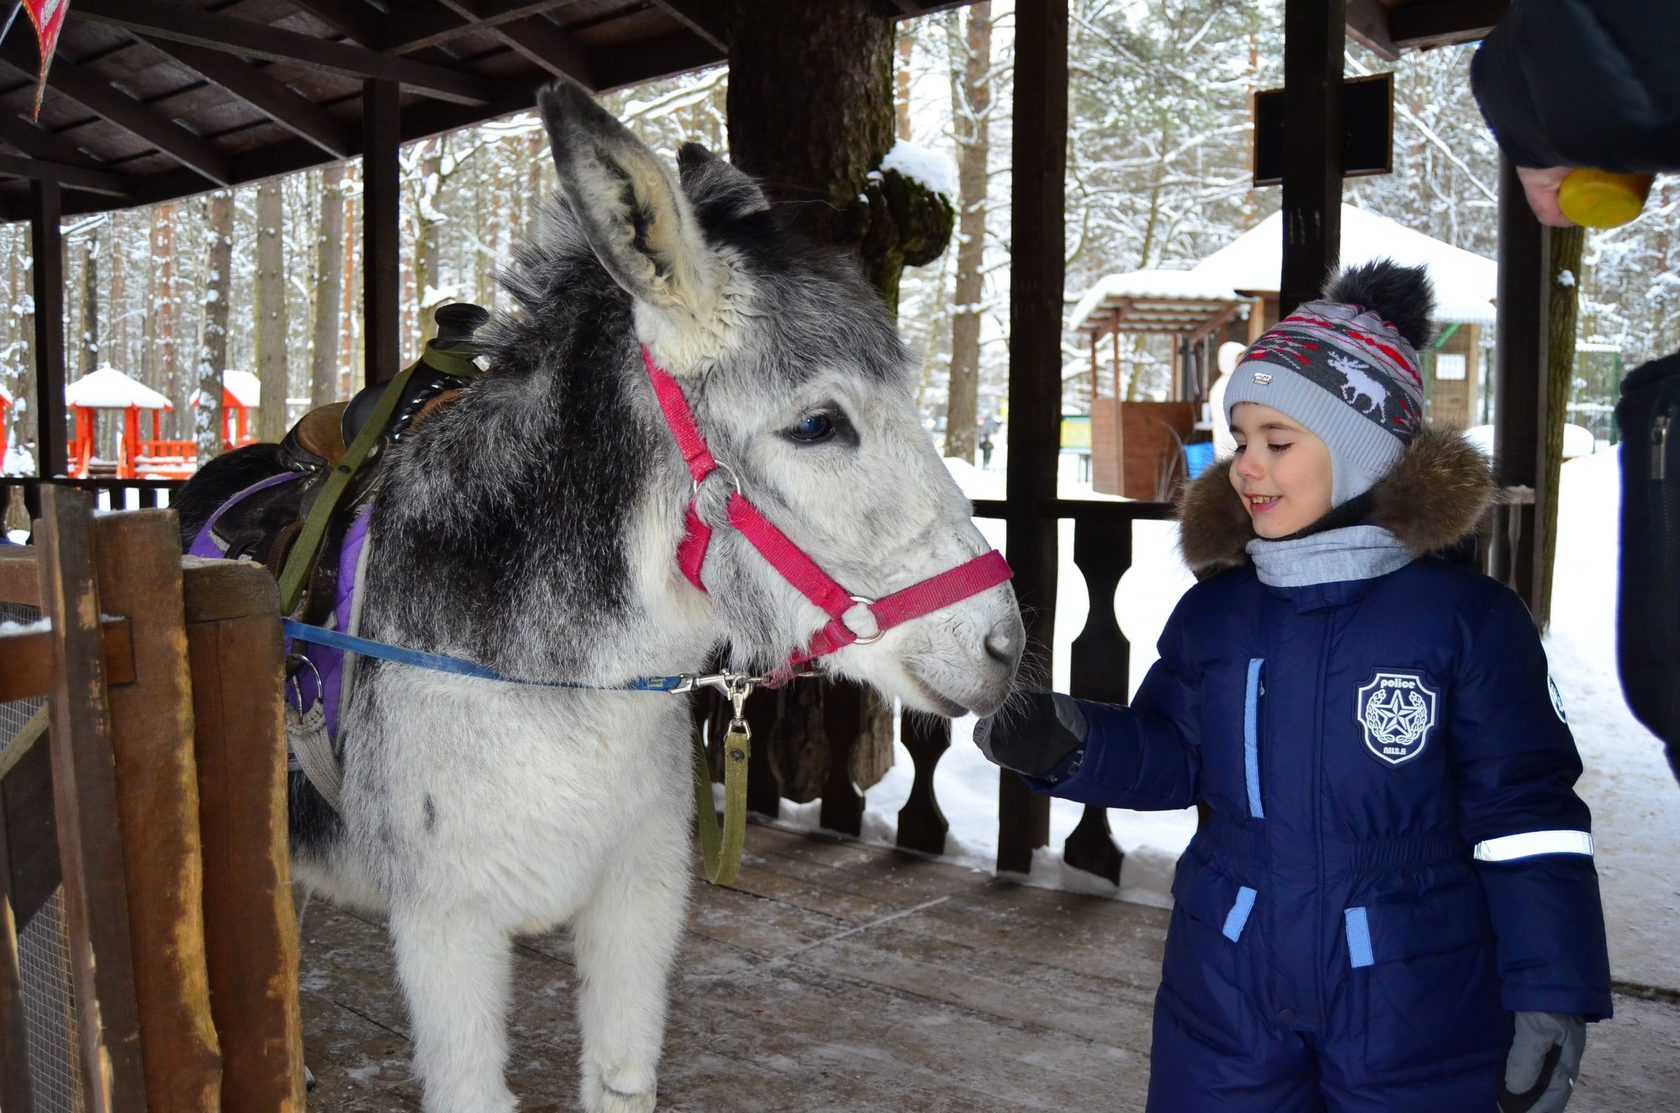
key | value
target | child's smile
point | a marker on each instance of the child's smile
(1281, 471)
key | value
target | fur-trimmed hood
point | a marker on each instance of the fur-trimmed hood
(1435, 496)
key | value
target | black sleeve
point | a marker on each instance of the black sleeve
(1584, 83)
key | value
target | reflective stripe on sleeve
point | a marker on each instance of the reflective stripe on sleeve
(1528, 845)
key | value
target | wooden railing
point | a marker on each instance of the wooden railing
(108, 493)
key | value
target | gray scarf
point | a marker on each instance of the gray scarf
(1349, 553)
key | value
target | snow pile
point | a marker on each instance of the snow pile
(19, 461)
(934, 169)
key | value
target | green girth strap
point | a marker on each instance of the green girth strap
(300, 561)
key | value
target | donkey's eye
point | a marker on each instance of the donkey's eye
(813, 428)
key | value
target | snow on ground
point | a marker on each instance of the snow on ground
(1635, 802)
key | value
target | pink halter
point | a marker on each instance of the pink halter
(951, 586)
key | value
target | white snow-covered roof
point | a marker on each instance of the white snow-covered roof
(1177, 287)
(932, 168)
(245, 387)
(110, 389)
(1465, 283)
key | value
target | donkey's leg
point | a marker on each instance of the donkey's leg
(454, 968)
(625, 939)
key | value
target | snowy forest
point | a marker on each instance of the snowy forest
(1159, 175)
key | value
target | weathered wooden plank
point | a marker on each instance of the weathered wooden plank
(46, 282)
(138, 558)
(250, 926)
(26, 665)
(85, 799)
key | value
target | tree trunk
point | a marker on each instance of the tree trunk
(426, 277)
(901, 80)
(816, 152)
(212, 352)
(328, 283)
(271, 312)
(350, 351)
(89, 344)
(1563, 303)
(971, 101)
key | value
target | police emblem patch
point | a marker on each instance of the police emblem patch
(1397, 711)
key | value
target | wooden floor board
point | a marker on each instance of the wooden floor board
(844, 978)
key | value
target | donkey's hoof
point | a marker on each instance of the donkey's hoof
(599, 1097)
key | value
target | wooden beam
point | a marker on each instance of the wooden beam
(103, 99)
(1036, 274)
(447, 20)
(381, 246)
(533, 38)
(1423, 26)
(292, 111)
(350, 18)
(28, 659)
(178, 22)
(1367, 25)
(1314, 38)
(666, 55)
(37, 142)
(42, 170)
(705, 18)
(1519, 367)
(46, 273)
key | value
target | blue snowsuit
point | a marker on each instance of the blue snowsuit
(1392, 861)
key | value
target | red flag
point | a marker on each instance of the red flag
(48, 18)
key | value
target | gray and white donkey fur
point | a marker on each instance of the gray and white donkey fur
(532, 526)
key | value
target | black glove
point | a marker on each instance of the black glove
(1544, 1062)
(1034, 733)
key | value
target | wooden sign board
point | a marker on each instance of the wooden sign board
(1367, 130)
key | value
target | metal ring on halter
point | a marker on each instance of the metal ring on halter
(694, 486)
(877, 635)
(320, 688)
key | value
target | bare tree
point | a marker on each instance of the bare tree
(213, 349)
(271, 312)
(328, 292)
(971, 101)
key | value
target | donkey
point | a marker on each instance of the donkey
(532, 525)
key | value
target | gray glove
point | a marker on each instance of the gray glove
(1544, 1062)
(1034, 733)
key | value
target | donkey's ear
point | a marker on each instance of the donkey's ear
(634, 216)
(714, 185)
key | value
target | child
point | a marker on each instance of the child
(1391, 902)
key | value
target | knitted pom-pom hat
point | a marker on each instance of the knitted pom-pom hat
(1347, 369)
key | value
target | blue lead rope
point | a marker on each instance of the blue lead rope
(439, 662)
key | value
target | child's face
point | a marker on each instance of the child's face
(1281, 471)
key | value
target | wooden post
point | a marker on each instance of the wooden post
(1035, 382)
(921, 824)
(1101, 668)
(381, 249)
(1314, 37)
(251, 931)
(138, 558)
(85, 795)
(46, 245)
(1518, 361)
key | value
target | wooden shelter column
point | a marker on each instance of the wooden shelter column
(1519, 359)
(1035, 365)
(46, 248)
(381, 252)
(1314, 38)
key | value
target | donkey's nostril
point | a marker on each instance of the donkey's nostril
(1003, 643)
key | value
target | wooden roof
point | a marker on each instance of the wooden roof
(149, 100)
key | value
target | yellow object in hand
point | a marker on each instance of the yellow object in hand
(1602, 198)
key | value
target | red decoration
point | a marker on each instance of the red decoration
(48, 18)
